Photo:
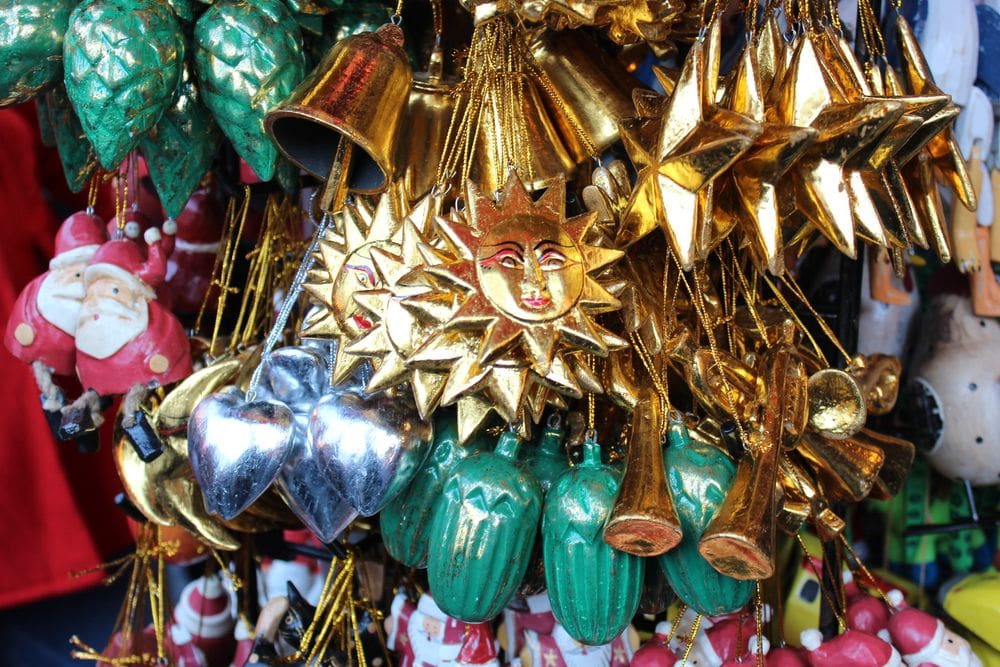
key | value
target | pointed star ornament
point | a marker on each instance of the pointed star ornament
(696, 142)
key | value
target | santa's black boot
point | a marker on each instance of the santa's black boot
(78, 419)
(142, 436)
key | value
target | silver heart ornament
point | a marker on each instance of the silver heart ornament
(236, 449)
(369, 447)
(297, 377)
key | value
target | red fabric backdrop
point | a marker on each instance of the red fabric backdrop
(57, 509)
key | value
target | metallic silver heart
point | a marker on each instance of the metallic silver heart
(295, 376)
(369, 447)
(237, 448)
(312, 495)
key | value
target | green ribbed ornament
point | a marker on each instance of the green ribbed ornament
(547, 459)
(406, 519)
(482, 533)
(181, 147)
(248, 58)
(594, 588)
(698, 475)
(31, 46)
(79, 161)
(123, 61)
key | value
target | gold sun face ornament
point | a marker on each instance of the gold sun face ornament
(344, 269)
(525, 279)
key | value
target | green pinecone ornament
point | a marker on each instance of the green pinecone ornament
(406, 519)
(79, 161)
(123, 61)
(482, 532)
(248, 58)
(699, 475)
(31, 46)
(594, 588)
(181, 147)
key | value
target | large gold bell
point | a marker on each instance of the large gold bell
(588, 92)
(358, 91)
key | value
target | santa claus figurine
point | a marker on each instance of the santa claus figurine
(851, 647)
(533, 612)
(725, 640)
(204, 618)
(424, 636)
(189, 271)
(126, 341)
(559, 649)
(656, 652)
(924, 641)
(43, 320)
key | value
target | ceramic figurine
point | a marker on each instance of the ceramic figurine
(424, 636)
(204, 616)
(533, 612)
(723, 641)
(925, 640)
(189, 269)
(656, 652)
(559, 649)
(849, 648)
(43, 321)
(957, 380)
(281, 624)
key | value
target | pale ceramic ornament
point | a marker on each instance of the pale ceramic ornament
(949, 37)
(975, 125)
(885, 328)
(959, 375)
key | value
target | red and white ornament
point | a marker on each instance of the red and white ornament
(204, 618)
(424, 636)
(924, 640)
(656, 652)
(851, 647)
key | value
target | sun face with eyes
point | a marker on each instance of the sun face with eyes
(530, 269)
(344, 269)
(525, 281)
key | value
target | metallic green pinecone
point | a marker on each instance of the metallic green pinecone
(699, 475)
(123, 61)
(79, 161)
(482, 532)
(406, 519)
(594, 588)
(248, 58)
(31, 46)
(181, 147)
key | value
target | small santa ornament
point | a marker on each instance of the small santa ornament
(126, 341)
(858, 649)
(43, 321)
(559, 649)
(204, 618)
(728, 639)
(424, 636)
(189, 271)
(533, 612)
(870, 614)
(656, 652)
(925, 641)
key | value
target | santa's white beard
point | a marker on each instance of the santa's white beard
(431, 650)
(113, 327)
(59, 302)
(965, 658)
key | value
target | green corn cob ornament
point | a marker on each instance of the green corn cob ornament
(593, 587)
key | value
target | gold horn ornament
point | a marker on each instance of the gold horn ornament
(358, 91)
(643, 521)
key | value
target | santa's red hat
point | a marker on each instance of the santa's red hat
(656, 651)
(122, 260)
(204, 608)
(200, 223)
(855, 648)
(867, 614)
(785, 657)
(917, 634)
(78, 238)
(729, 638)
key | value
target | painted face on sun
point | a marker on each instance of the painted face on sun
(358, 274)
(530, 269)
